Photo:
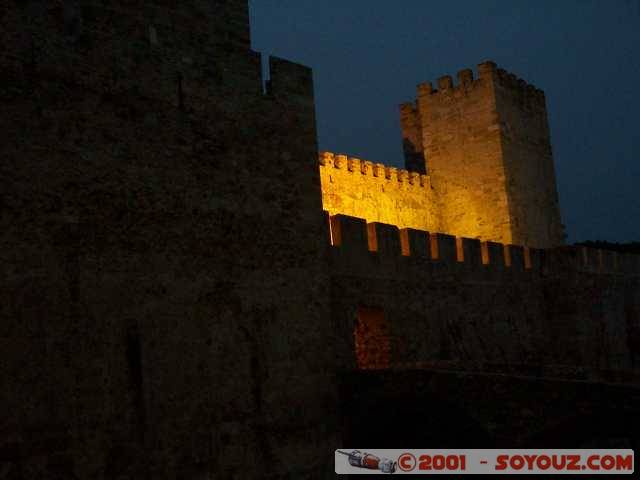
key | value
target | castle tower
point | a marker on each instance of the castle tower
(485, 144)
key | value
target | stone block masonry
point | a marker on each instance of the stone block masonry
(164, 306)
(174, 302)
(482, 152)
(486, 147)
(376, 192)
(472, 305)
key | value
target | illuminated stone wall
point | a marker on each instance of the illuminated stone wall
(480, 159)
(528, 160)
(460, 135)
(170, 304)
(486, 148)
(376, 192)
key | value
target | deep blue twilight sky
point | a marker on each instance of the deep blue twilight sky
(369, 55)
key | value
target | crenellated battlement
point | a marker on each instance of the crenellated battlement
(167, 259)
(483, 139)
(186, 64)
(376, 192)
(519, 86)
(488, 74)
(356, 236)
(375, 170)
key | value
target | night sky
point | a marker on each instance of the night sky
(369, 55)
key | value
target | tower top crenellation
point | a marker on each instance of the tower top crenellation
(487, 72)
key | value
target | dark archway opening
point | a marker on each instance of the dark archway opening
(372, 339)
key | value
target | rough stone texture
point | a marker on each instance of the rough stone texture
(375, 192)
(485, 146)
(528, 160)
(163, 298)
(487, 151)
(175, 304)
(371, 339)
(558, 311)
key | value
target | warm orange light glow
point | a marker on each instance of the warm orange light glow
(404, 242)
(335, 231)
(507, 255)
(484, 250)
(459, 250)
(372, 238)
(371, 337)
(376, 193)
(384, 194)
(330, 231)
(433, 242)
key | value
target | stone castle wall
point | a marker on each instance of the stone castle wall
(376, 192)
(485, 144)
(459, 303)
(529, 168)
(164, 310)
(170, 303)
(460, 136)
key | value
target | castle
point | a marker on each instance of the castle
(485, 146)
(190, 290)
